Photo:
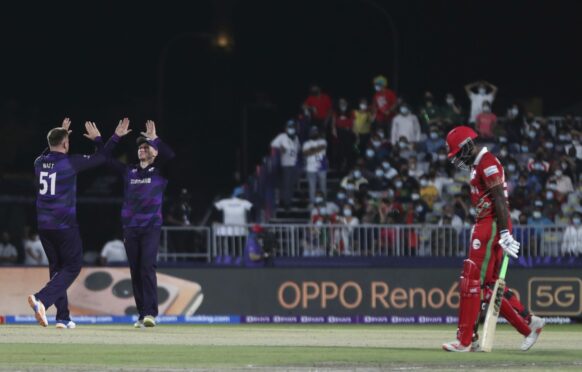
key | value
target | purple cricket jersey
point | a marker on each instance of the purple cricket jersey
(144, 189)
(56, 177)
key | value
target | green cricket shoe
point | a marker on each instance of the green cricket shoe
(149, 321)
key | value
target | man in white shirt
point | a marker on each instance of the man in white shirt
(232, 234)
(481, 96)
(234, 212)
(314, 151)
(572, 242)
(287, 143)
(113, 252)
(34, 252)
(406, 125)
(8, 253)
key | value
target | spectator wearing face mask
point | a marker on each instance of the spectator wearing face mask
(409, 183)
(569, 163)
(513, 122)
(420, 208)
(563, 183)
(372, 158)
(378, 183)
(314, 153)
(406, 125)
(344, 236)
(520, 196)
(434, 142)
(429, 112)
(362, 123)
(511, 174)
(428, 191)
(287, 144)
(485, 122)
(389, 171)
(539, 166)
(338, 203)
(572, 241)
(320, 106)
(451, 112)
(343, 123)
(531, 127)
(380, 145)
(331, 208)
(485, 92)
(355, 178)
(384, 102)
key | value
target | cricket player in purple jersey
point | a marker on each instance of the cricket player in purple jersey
(141, 217)
(56, 174)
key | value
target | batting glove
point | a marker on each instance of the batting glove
(508, 243)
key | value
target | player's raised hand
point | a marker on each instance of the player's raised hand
(66, 124)
(123, 127)
(91, 131)
(150, 132)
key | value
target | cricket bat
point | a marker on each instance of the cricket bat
(493, 309)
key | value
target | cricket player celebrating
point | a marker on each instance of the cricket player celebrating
(490, 239)
(56, 205)
(141, 216)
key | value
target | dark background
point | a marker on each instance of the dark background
(101, 61)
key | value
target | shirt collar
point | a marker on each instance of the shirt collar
(480, 155)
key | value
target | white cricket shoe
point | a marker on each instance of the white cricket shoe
(39, 310)
(536, 324)
(149, 321)
(63, 324)
(456, 346)
(138, 324)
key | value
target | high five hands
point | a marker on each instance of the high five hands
(150, 132)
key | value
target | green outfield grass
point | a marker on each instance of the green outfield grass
(277, 347)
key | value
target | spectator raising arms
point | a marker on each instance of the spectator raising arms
(485, 92)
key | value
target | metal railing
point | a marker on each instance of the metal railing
(307, 240)
(181, 243)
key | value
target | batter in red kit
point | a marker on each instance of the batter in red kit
(490, 239)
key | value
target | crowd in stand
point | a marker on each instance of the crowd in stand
(393, 159)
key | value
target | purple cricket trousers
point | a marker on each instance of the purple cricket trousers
(141, 245)
(64, 250)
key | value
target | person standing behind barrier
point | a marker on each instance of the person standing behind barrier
(478, 98)
(235, 212)
(56, 174)
(572, 242)
(287, 143)
(141, 217)
(314, 152)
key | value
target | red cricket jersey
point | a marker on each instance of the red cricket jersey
(321, 104)
(384, 100)
(486, 173)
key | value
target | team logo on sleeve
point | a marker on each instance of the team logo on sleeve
(476, 244)
(489, 171)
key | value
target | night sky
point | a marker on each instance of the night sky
(100, 62)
